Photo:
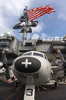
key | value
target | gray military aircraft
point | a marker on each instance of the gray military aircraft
(33, 69)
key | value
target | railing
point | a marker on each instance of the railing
(49, 39)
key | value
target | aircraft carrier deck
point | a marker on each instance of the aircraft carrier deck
(9, 92)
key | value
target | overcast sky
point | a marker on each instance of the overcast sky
(50, 25)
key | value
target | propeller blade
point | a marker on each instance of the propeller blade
(6, 66)
(7, 74)
(59, 68)
(62, 58)
(4, 58)
(64, 64)
(60, 55)
(1, 65)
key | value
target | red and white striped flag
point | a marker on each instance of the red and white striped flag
(40, 11)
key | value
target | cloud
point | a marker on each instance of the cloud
(28, 35)
(43, 35)
(13, 7)
(4, 29)
(10, 11)
(39, 28)
(56, 38)
(35, 36)
(62, 10)
(62, 15)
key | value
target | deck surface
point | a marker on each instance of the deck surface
(8, 92)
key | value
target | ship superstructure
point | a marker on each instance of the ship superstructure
(11, 44)
(8, 43)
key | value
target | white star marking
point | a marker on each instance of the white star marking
(26, 63)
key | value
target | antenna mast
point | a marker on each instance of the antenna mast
(27, 27)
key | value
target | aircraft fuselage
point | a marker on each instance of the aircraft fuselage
(32, 66)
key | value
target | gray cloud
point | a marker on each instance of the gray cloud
(10, 11)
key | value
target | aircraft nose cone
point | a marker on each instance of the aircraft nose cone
(27, 65)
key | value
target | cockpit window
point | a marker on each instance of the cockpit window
(45, 57)
(27, 54)
(37, 54)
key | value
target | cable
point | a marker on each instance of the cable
(17, 89)
(11, 96)
(52, 92)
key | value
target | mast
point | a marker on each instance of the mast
(27, 27)
(26, 22)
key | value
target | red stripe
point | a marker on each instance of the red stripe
(58, 50)
(3, 51)
(40, 11)
(9, 80)
(56, 64)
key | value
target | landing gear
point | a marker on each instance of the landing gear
(17, 84)
(55, 85)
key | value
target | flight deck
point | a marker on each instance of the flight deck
(9, 92)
